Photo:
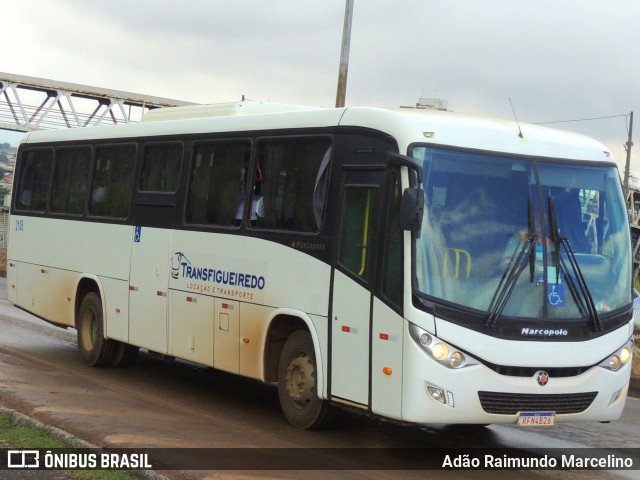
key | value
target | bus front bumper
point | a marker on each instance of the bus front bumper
(476, 394)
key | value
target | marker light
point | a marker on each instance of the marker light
(425, 339)
(439, 394)
(436, 393)
(615, 397)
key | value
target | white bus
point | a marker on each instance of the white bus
(418, 265)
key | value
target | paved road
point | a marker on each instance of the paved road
(176, 404)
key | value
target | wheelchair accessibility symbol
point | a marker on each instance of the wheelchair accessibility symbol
(555, 294)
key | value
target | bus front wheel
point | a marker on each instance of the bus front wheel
(95, 350)
(297, 385)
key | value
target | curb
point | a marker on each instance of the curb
(22, 419)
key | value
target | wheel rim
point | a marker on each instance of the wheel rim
(89, 329)
(300, 380)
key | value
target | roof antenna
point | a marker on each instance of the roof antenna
(516, 117)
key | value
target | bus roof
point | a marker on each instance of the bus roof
(479, 132)
(244, 107)
(407, 126)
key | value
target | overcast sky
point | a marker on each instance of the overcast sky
(555, 59)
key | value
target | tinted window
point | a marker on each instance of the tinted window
(34, 181)
(393, 264)
(290, 183)
(70, 180)
(356, 229)
(161, 167)
(217, 184)
(112, 181)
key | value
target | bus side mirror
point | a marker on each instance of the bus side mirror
(411, 209)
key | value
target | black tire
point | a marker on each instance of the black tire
(124, 355)
(95, 350)
(297, 385)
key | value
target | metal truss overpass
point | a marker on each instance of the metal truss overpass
(29, 103)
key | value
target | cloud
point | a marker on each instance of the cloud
(554, 59)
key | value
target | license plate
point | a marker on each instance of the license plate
(536, 419)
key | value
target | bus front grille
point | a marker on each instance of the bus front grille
(555, 372)
(512, 403)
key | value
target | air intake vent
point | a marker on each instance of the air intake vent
(249, 107)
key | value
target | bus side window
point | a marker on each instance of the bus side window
(217, 183)
(34, 181)
(70, 180)
(292, 177)
(161, 167)
(356, 229)
(112, 181)
(392, 284)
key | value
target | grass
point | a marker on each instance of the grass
(16, 434)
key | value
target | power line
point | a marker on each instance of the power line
(581, 119)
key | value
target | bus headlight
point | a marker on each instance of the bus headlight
(614, 362)
(440, 351)
(625, 355)
(618, 359)
(456, 360)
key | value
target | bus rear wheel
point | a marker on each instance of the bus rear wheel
(299, 399)
(124, 355)
(95, 349)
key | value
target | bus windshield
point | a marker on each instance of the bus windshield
(529, 238)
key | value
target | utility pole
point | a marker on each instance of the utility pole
(627, 167)
(344, 55)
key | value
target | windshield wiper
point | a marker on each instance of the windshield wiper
(512, 273)
(581, 294)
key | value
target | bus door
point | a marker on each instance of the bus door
(353, 281)
(149, 280)
(154, 219)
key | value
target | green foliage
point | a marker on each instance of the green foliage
(16, 435)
